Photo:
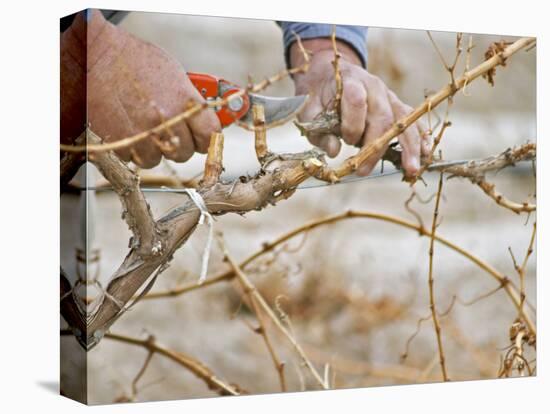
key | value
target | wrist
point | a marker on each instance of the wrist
(321, 45)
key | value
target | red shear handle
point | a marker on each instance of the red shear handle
(212, 87)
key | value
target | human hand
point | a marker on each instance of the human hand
(368, 106)
(131, 86)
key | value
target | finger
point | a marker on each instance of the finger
(379, 120)
(353, 111)
(145, 155)
(202, 125)
(181, 146)
(330, 144)
(311, 110)
(426, 139)
(375, 129)
(410, 139)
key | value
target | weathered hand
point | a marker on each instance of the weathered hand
(132, 86)
(368, 107)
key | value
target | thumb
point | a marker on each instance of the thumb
(327, 142)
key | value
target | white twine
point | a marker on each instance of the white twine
(205, 218)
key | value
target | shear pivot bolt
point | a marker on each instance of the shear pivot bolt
(235, 104)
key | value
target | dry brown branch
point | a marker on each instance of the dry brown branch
(135, 209)
(520, 269)
(196, 367)
(468, 60)
(352, 163)
(337, 74)
(251, 290)
(524, 264)
(214, 161)
(436, 143)
(134, 388)
(419, 322)
(260, 133)
(437, 326)
(495, 49)
(193, 108)
(476, 170)
(514, 358)
(408, 207)
(145, 180)
(478, 298)
(489, 189)
(503, 280)
(154, 242)
(331, 124)
(449, 68)
(200, 370)
(262, 329)
(268, 247)
(146, 253)
(508, 157)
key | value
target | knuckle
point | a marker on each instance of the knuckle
(386, 121)
(404, 108)
(179, 156)
(378, 83)
(201, 144)
(355, 95)
(351, 131)
(148, 161)
(411, 167)
(211, 124)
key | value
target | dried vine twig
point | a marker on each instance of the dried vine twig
(437, 326)
(196, 367)
(251, 290)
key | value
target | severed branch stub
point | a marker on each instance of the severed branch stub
(214, 161)
(260, 133)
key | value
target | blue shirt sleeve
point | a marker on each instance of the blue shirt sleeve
(355, 36)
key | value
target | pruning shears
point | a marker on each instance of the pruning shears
(239, 110)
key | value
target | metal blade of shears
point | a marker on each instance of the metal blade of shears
(277, 110)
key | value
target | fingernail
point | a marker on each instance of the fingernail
(332, 148)
(413, 166)
(331, 145)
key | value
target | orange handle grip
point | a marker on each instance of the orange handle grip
(212, 87)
